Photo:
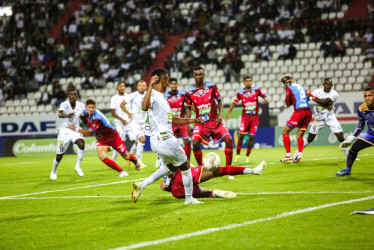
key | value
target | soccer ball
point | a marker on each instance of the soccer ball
(211, 161)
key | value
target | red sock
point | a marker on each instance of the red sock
(228, 153)
(238, 149)
(231, 170)
(249, 150)
(300, 144)
(187, 150)
(132, 158)
(199, 157)
(112, 164)
(287, 143)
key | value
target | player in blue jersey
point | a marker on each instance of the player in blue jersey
(365, 114)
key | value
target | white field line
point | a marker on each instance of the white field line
(311, 192)
(68, 189)
(232, 226)
(78, 197)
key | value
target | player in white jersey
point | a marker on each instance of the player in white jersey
(139, 116)
(70, 111)
(163, 143)
(123, 123)
(324, 115)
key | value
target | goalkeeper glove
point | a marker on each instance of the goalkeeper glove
(347, 142)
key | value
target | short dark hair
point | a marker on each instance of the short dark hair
(173, 79)
(120, 83)
(247, 77)
(159, 72)
(72, 89)
(198, 68)
(90, 101)
(327, 79)
(369, 89)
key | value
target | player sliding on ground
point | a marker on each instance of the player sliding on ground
(174, 183)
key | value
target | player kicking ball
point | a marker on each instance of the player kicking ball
(204, 173)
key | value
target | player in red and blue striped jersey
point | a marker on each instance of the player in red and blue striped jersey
(107, 136)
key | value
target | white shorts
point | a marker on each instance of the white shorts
(65, 136)
(169, 150)
(131, 129)
(331, 122)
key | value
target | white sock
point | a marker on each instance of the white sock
(187, 183)
(248, 171)
(346, 151)
(80, 155)
(305, 142)
(133, 149)
(114, 155)
(162, 171)
(139, 150)
(55, 165)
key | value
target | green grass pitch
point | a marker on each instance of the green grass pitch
(289, 206)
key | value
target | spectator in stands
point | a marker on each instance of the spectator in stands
(352, 40)
(292, 51)
(237, 65)
(368, 35)
(283, 52)
(1, 96)
(61, 96)
(226, 65)
(369, 54)
(323, 49)
(45, 97)
(266, 53)
(341, 48)
(20, 91)
(87, 84)
(258, 53)
(212, 55)
(332, 48)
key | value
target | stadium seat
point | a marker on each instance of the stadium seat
(343, 80)
(342, 66)
(355, 72)
(3, 110)
(347, 73)
(360, 79)
(357, 86)
(338, 73)
(348, 87)
(313, 74)
(337, 59)
(350, 66)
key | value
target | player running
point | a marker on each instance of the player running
(249, 122)
(70, 111)
(202, 96)
(174, 183)
(365, 114)
(297, 96)
(125, 125)
(106, 135)
(175, 99)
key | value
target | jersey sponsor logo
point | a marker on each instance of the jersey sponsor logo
(201, 92)
(174, 98)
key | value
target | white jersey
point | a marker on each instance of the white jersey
(115, 103)
(160, 116)
(136, 101)
(78, 111)
(322, 112)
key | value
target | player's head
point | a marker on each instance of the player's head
(90, 106)
(163, 79)
(121, 88)
(369, 96)
(286, 80)
(173, 83)
(141, 87)
(72, 95)
(198, 74)
(327, 84)
(248, 82)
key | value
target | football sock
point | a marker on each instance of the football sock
(55, 165)
(187, 183)
(133, 159)
(305, 142)
(162, 171)
(139, 150)
(199, 157)
(80, 155)
(351, 157)
(231, 170)
(300, 144)
(112, 164)
(286, 142)
(346, 152)
(133, 148)
(114, 155)
(187, 150)
(238, 149)
(228, 152)
(249, 150)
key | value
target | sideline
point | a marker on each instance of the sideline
(231, 226)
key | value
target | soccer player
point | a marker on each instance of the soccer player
(106, 135)
(163, 143)
(297, 96)
(202, 96)
(125, 125)
(174, 183)
(135, 101)
(365, 114)
(175, 99)
(248, 125)
(70, 111)
(324, 115)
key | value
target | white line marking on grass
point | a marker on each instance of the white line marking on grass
(17, 163)
(311, 192)
(78, 197)
(231, 226)
(68, 189)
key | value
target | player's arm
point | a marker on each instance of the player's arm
(61, 114)
(323, 102)
(350, 138)
(147, 98)
(266, 100)
(288, 99)
(82, 131)
(230, 109)
(184, 121)
(165, 187)
(220, 110)
(123, 107)
(113, 111)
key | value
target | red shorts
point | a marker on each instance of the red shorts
(209, 129)
(180, 131)
(115, 142)
(177, 188)
(249, 124)
(300, 118)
